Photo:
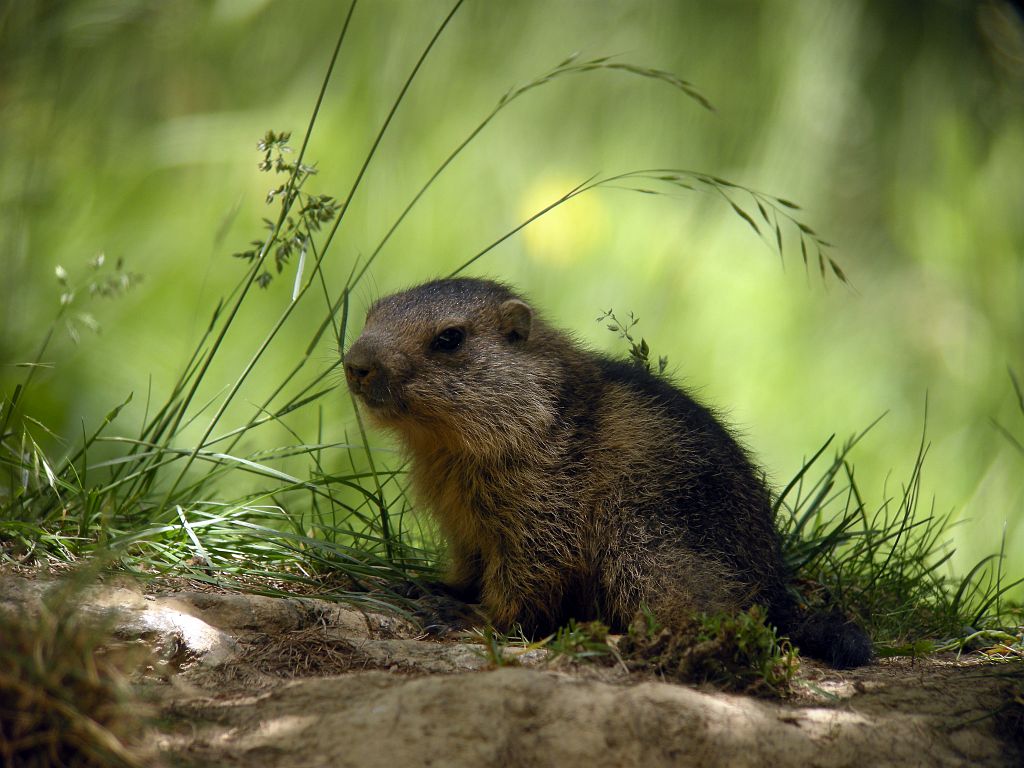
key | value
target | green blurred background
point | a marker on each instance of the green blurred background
(129, 129)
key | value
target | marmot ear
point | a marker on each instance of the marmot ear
(515, 319)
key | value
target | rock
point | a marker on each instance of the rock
(527, 717)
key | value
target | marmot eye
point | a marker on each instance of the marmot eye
(448, 340)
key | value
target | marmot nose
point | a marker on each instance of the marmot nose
(360, 368)
(355, 374)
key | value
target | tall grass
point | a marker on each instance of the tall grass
(885, 562)
(185, 495)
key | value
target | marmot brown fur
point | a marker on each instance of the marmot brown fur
(570, 485)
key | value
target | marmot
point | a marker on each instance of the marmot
(569, 484)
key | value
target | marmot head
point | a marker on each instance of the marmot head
(454, 361)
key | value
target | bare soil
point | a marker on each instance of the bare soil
(244, 680)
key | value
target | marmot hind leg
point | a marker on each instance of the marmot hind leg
(672, 585)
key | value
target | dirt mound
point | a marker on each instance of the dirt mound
(280, 682)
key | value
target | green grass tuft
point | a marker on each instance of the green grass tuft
(884, 564)
(738, 652)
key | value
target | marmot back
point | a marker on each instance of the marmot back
(570, 485)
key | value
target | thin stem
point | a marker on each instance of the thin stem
(386, 125)
(253, 272)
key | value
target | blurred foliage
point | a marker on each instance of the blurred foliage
(131, 129)
(64, 693)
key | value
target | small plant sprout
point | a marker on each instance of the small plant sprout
(639, 352)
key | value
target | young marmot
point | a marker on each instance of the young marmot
(568, 484)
